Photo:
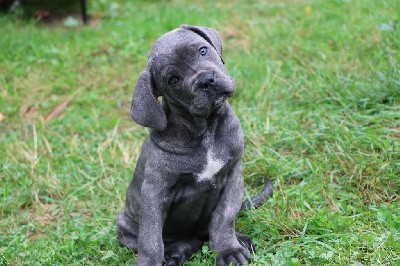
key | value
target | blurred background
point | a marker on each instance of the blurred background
(317, 94)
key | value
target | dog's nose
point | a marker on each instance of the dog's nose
(212, 84)
(207, 81)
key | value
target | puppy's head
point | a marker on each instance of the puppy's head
(185, 67)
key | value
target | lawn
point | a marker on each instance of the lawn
(317, 94)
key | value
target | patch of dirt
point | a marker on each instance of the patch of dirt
(84, 213)
(2, 117)
(42, 216)
(45, 214)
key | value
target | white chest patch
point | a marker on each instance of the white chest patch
(213, 166)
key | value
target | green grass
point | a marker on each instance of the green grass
(318, 97)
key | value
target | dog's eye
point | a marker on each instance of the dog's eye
(203, 50)
(173, 80)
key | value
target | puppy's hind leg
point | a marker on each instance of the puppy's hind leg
(177, 252)
(127, 232)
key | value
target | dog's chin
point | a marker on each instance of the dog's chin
(209, 108)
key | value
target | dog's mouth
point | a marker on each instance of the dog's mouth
(205, 104)
(220, 100)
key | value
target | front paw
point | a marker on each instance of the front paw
(236, 256)
(174, 258)
(146, 261)
(246, 242)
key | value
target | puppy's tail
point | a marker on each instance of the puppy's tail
(259, 199)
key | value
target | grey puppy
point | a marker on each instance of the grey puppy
(187, 186)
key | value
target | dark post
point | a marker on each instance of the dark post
(84, 12)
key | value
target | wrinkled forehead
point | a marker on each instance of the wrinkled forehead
(178, 44)
(176, 39)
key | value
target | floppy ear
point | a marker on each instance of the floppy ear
(210, 35)
(145, 108)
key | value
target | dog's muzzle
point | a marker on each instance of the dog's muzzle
(216, 87)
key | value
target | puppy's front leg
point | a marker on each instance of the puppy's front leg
(222, 228)
(154, 203)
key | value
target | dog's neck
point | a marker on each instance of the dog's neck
(184, 131)
(184, 122)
